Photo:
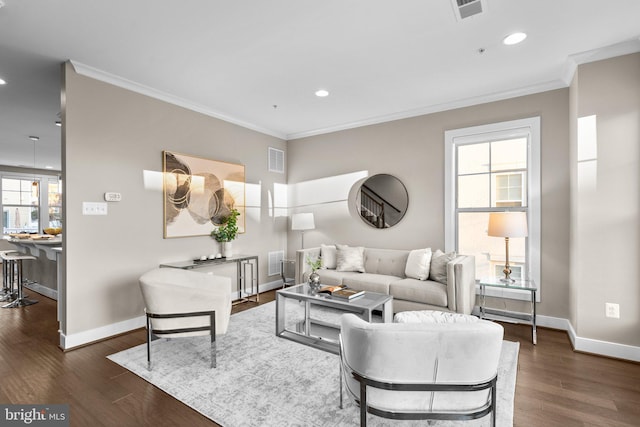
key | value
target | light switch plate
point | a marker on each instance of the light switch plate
(94, 208)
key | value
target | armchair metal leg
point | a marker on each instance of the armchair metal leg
(214, 361)
(148, 342)
(341, 407)
(494, 389)
(363, 404)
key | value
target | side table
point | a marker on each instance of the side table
(518, 284)
(245, 282)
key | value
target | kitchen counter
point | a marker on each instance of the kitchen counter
(44, 272)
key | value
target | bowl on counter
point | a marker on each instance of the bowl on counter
(53, 231)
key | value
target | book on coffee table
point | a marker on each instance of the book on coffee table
(346, 294)
(327, 289)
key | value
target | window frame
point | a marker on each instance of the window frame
(43, 194)
(529, 128)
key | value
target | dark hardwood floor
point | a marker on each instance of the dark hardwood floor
(555, 386)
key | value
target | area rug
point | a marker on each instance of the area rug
(262, 380)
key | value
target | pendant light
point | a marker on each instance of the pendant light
(34, 183)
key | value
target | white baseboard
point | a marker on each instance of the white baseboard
(43, 290)
(587, 345)
(277, 284)
(604, 348)
(68, 342)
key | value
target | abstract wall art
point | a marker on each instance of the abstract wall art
(199, 193)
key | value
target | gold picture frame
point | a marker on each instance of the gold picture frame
(199, 193)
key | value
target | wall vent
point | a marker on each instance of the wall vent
(275, 263)
(466, 8)
(276, 160)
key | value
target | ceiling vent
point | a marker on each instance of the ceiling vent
(466, 8)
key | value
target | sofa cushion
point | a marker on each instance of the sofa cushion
(426, 292)
(391, 262)
(439, 261)
(350, 258)
(370, 282)
(433, 316)
(333, 277)
(418, 264)
(328, 256)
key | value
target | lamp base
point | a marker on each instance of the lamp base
(507, 280)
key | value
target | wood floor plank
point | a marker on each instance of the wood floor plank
(555, 386)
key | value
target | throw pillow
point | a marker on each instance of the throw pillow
(418, 264)
(328, 256)
(349, 258)
(438, 271)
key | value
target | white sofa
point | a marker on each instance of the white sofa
(384, 272)
(421, 370)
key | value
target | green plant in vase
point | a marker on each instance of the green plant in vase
(227, 231)
(314, 278)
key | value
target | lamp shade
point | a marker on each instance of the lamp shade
(508, 224)
(302, 221)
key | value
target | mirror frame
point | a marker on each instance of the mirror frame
(378, 221)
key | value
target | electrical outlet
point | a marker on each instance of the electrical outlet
(612, 310)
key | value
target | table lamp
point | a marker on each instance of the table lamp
(507, 224)
(302, 222)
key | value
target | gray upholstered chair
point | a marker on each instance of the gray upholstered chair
(181, 303)
(439, 371)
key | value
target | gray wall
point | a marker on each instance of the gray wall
(110, 136)
(413, 150)
(606, 201)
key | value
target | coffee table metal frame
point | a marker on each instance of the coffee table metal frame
(362, 306)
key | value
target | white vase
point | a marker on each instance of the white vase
(227, 249)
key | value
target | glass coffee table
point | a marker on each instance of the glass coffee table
(362, 306)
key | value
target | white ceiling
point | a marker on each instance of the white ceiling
(380, 59)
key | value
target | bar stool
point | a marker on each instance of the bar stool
(16, 259)
(7, 293)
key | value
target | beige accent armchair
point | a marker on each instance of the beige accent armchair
(182, 303)
(444, 371)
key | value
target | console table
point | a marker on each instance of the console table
(247, 273)
(520, 285)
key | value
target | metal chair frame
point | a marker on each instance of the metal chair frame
(488, 408)
(211, 328)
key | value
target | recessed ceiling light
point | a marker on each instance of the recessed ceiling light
(58, 123)
(514, 38)
(34, 138)
(321, 93)
(2, 82)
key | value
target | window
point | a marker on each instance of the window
(20, 207)
(30, 203)
(510, 190)
(494, 168)
(54, 201)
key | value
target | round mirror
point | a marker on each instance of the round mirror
(382, 200)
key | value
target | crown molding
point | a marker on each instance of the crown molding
(619, 49)
(437, 108)
(103, 76)
(571, 65)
